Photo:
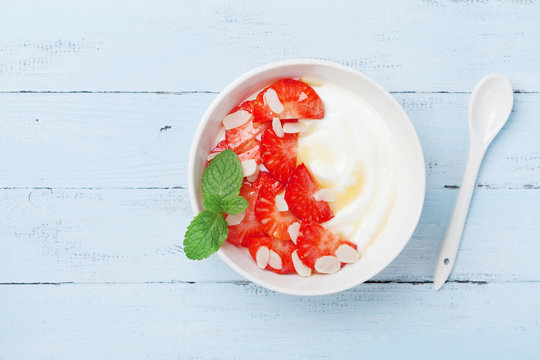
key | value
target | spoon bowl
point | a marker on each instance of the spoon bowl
(489, 108)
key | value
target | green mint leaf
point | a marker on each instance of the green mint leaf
(233, 204)
(213, 203)
(223, 176)
(205, 235)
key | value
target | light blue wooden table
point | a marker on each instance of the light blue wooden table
(98, 105)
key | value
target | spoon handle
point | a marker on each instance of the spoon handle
(452, 239)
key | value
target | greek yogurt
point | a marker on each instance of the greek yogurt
(351, 152)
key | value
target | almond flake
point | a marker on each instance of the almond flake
(293, 127)
(220, 136)
(325, 195)
(272, 100)
(301, 268)
(235, 219)
(294, 231)
(278, 129)
(254, 176)
(347, 254)
(262, 256)
(212, 155)
(258, 137)
(274, 260)
(236, 119)
(302, 96)
(311, 80)
(281, 204)
(262, 167)
(249, 167)
(327, 265)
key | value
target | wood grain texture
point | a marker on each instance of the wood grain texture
(69, 235)
(183, 321)
(143, 140)
(180, 45)
(98, 105)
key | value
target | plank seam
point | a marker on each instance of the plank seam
(243, 282)
(189, 92)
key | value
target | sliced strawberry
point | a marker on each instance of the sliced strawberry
(249, 225)
(247, 105)
(295, 99)
(220, 146)
(279, 154)
(253, 153)
(315, 242)
(267, 181)
(271, 253)
(300, 197)
(243, 139)
(274, 222)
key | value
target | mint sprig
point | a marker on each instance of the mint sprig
(223, 176)
(205, 235)
(221, 183)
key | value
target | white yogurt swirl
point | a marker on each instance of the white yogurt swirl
(351, 151)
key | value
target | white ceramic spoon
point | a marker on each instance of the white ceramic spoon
(489, 108)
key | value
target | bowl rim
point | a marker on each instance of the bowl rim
(290, 62)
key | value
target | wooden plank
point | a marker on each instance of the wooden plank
(171, 46)
(143, 140)
(70, 235)
(208, 321)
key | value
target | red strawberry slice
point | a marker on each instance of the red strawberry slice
(249, 225)
(300, 197)
(271, 253)
(279, 154)
(316, 242)
(220, 146)
(274, 222)
(265, 180)
(295, 100)
(242, 139)
(247, 105)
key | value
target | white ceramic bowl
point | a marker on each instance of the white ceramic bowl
(410, 199)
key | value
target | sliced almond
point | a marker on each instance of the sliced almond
(262, 167)
(325, 195)
(220, 136)
(347, 254)
(262, 256)
(274, 260)
(212, 155)
(258, 136)
(293, 127)
(272, 100)
(301, 268)
(235, 219)
(249, 167)
(253, 177)
(276, 126)
(281, 204)
(327, 265)
(236, 119)
(294, 231)
(312, 81)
